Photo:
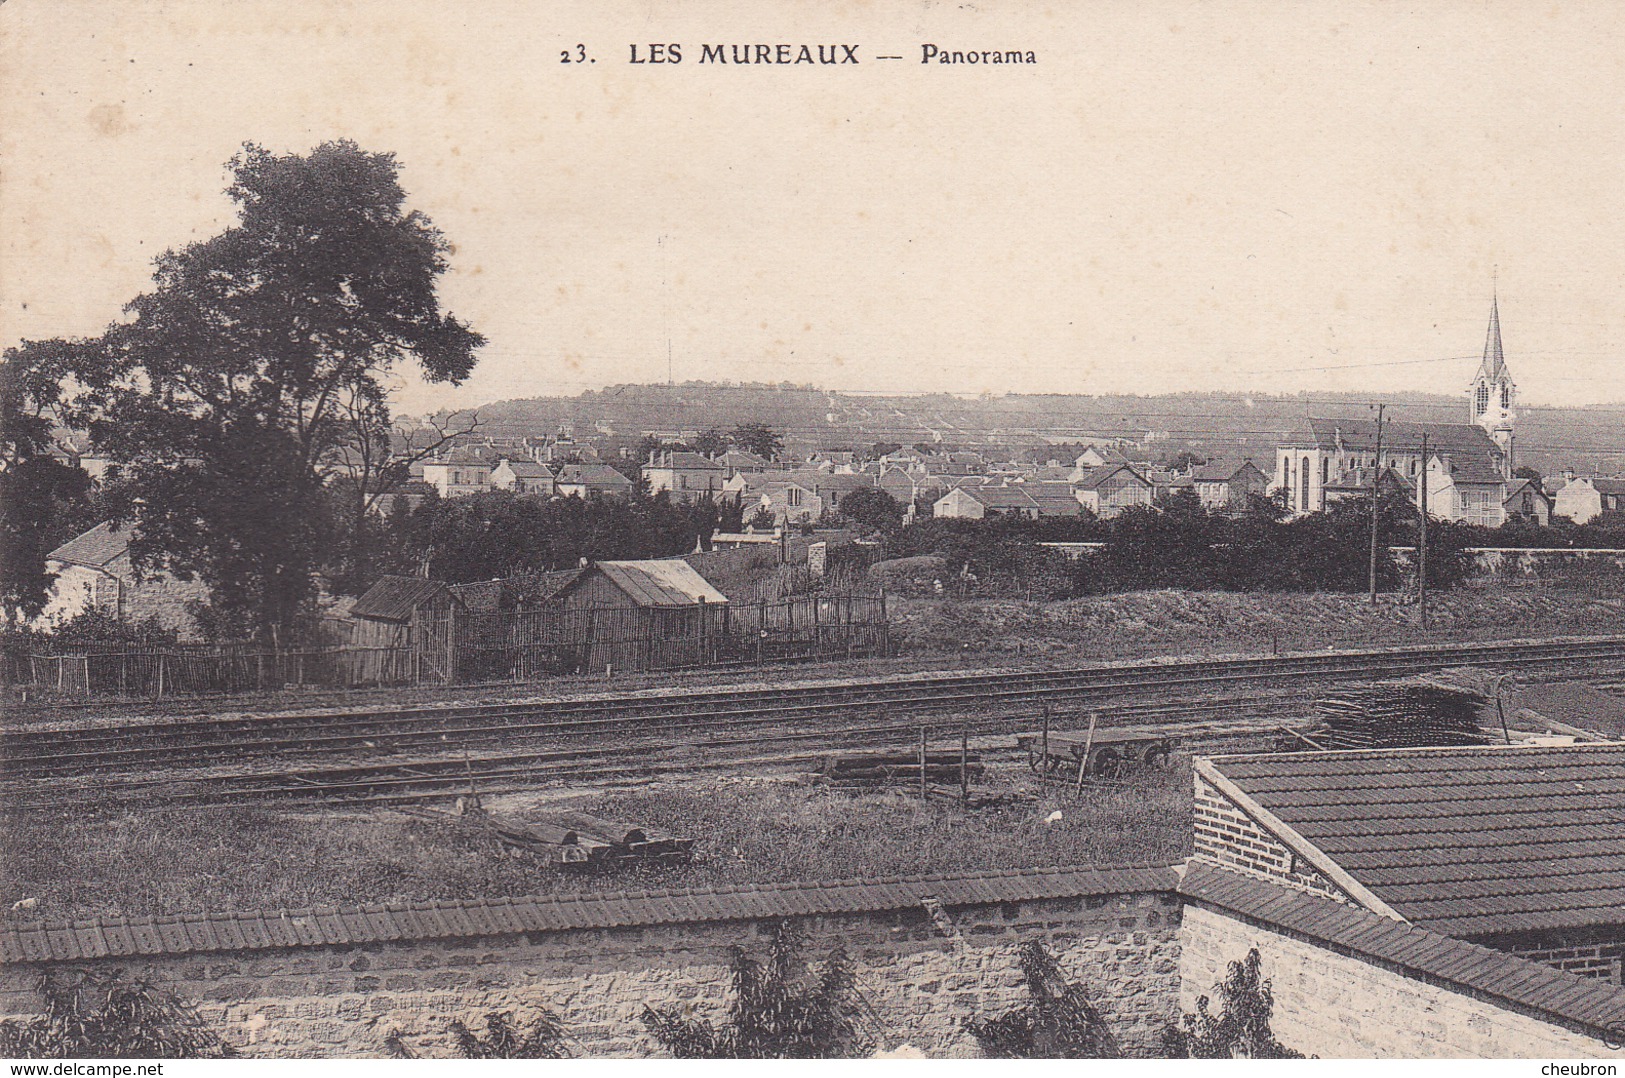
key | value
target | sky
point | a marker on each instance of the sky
(1266, 197)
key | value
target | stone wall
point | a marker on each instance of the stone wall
(1336, 1005)
(920, 975)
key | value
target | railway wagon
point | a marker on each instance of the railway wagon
(1098, 753)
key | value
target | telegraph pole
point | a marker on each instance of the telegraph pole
(1376, 484)
(1422, 541)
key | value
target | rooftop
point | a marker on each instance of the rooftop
(1470, 841)
(394, 598)
(661, 582)
(96, 548)
(1584, 1001)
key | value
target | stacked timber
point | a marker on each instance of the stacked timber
(577, 840)
(886, 768)
(1434, 709)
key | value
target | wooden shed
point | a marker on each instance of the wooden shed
(412, 614)
(644, 615)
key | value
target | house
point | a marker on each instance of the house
(686, 475)
(735, 461)
(522, 477)
(789, 501)
(1355, 485)
(1584, 498)
(1516, 848)
(1054, 498)
(1467, 489)
(1225, 485)
(590, 481)
(1111, 488)
(410, 615)
(1098, 456)
(458, 474)
(1526, 499)
(94, 572)
(975, 503)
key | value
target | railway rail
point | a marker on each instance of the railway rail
(596, 739)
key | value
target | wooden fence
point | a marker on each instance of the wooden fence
(512, 645)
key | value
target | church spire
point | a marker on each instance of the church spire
(1494, 366)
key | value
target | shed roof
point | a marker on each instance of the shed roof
(660, 582)
(394, 598)
(1468, 840)
(1588, 1002)
(96, 548)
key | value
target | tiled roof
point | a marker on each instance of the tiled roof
(104, 937)
(1002, 497)
(661, 582)
(528, 469)
(597, 475)
(394, 598)
(1449, 439)
(1092, 479)
(1607, 486)
(1590, 1003)
(1467, 840)
(687, 461)
(97, 547)
(1222, 471)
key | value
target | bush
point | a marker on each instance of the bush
(1058, 1022)
(775, 1014)
(92, 1015)
(502, 1039)
(1242, 1029)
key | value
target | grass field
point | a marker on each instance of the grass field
(175, 860)
(1181, 623)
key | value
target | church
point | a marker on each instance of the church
(1466, 468)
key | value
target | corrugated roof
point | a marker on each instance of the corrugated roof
(1467, 840)
(247, 931)
(1589, 1003)
(394, 598)
(662, 582)
(96, 548)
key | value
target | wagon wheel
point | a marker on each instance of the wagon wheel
(1032, 758)
(1107, 764)
(1159, 756)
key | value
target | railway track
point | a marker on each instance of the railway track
(643, 733)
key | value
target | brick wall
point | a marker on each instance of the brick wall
(342, 1001)
(1223, 833)
(1331, 1004)
(1588, 953)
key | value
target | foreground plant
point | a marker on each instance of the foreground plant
(1058, 1022)
(775, 1014)
(1241, 1030)
(544, 1038)
(93, 1015)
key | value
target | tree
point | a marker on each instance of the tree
(35, 487)
(711, 443)
(758, 438)
(1185, 460)
(1242, 1028)
(91, 1015)
(544, 1038)
(245, 367)
(775, 1014)
(875, 510)
(1524, 471)
(1057, 1022)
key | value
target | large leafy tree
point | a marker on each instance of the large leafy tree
(239, 377)
(36, 488)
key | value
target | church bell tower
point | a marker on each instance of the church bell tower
(1492, 395)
